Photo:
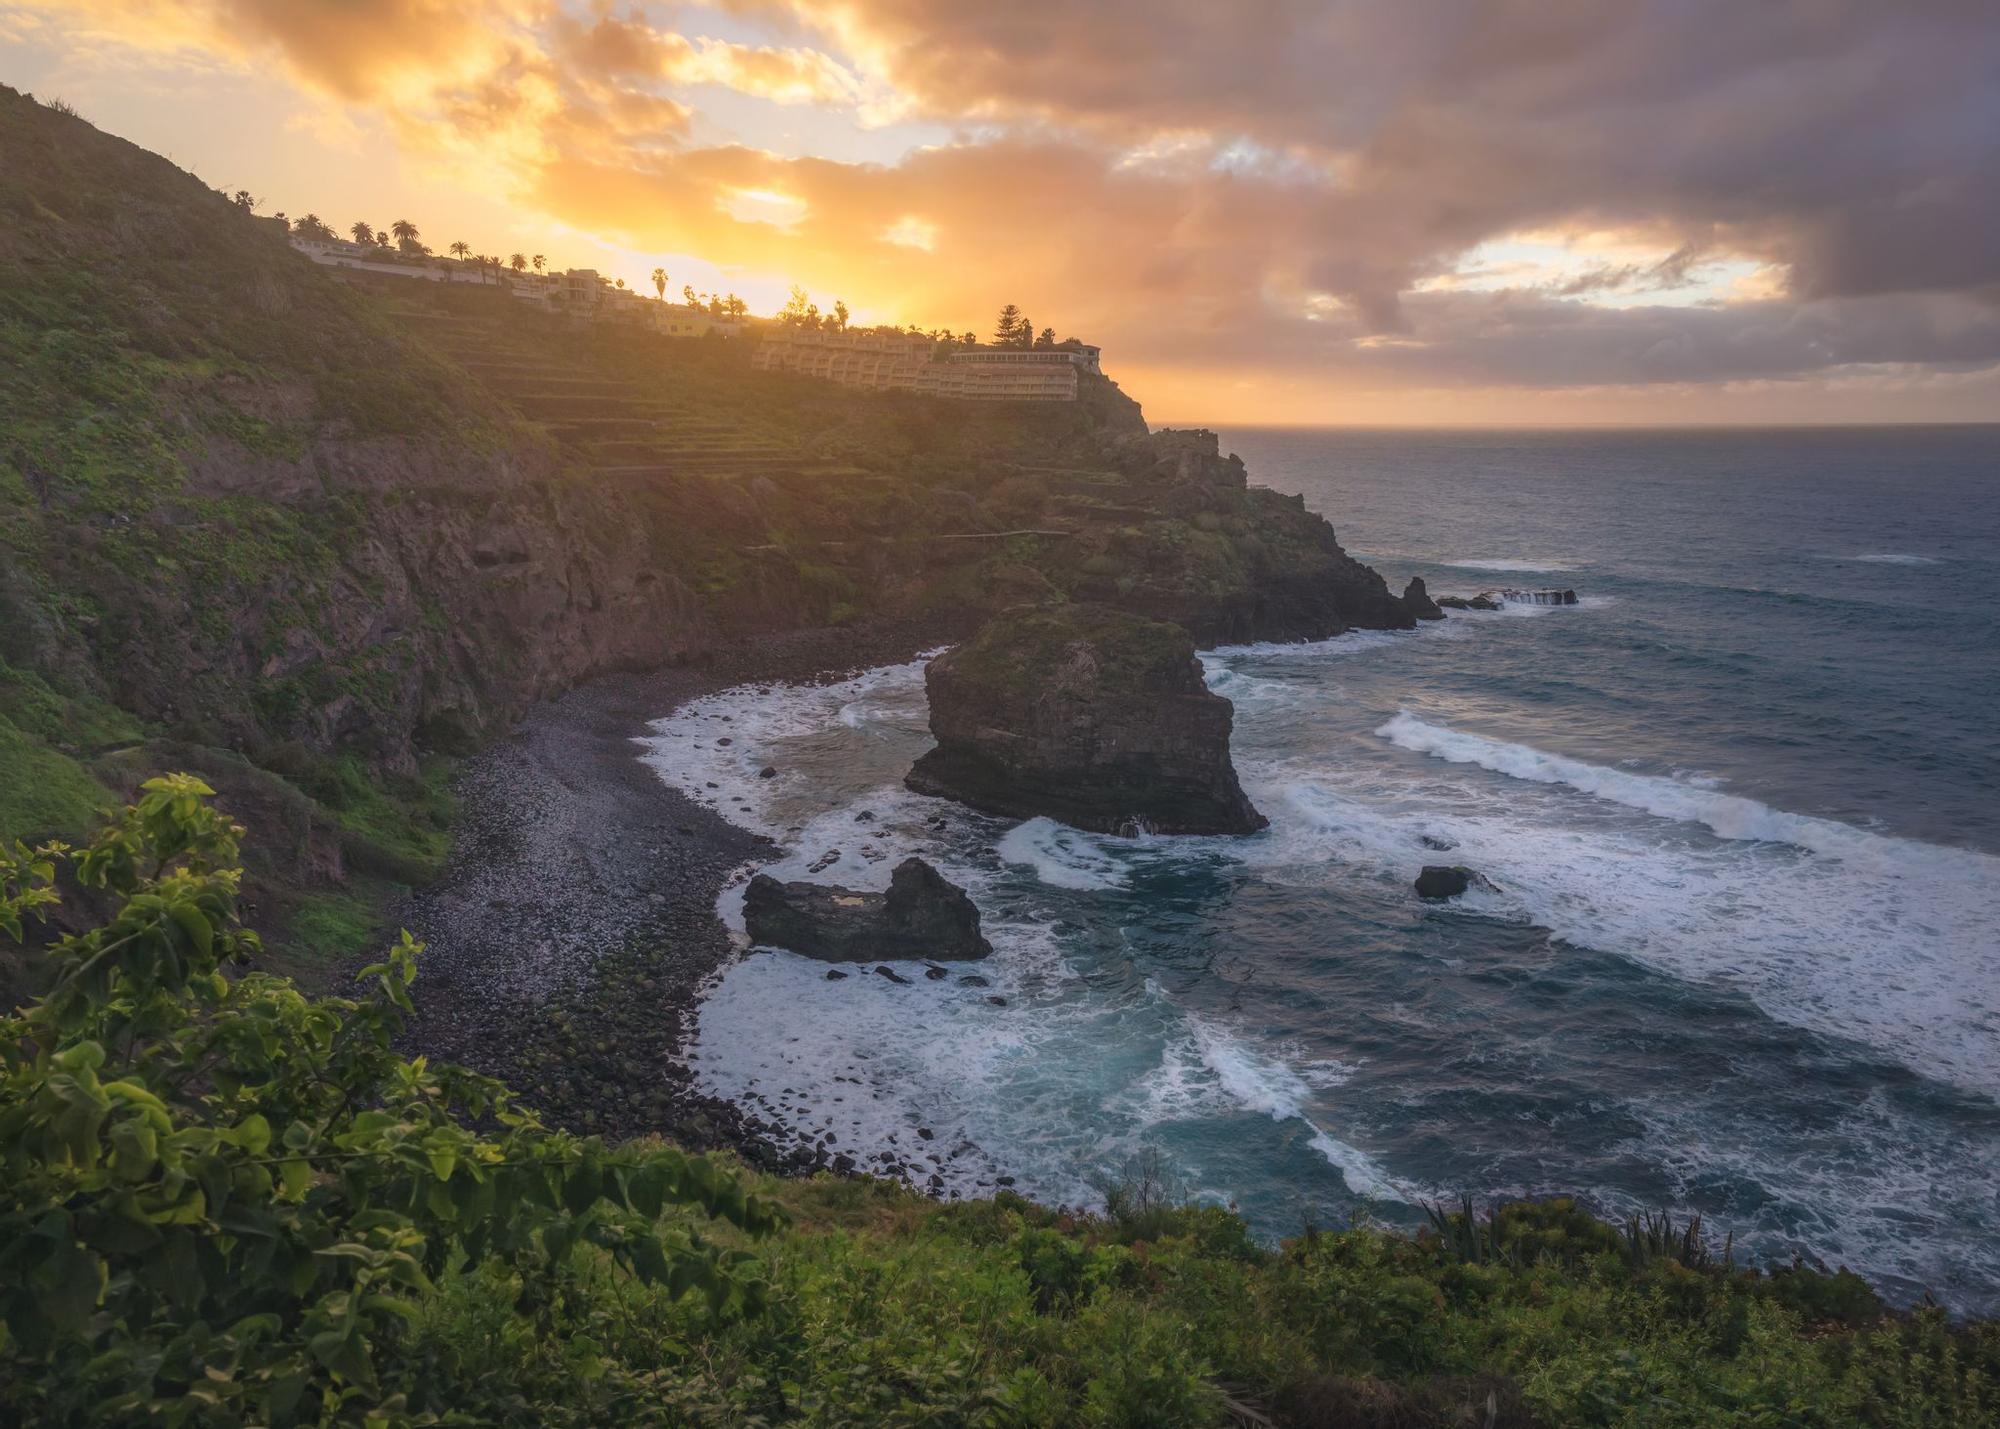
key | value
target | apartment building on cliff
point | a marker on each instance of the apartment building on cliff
(580, 292)
(886, 361)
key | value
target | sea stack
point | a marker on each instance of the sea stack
(1088, 715)
(1417, 600)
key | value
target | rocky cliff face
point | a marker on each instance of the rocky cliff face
(1227, 561)
(1089, 715)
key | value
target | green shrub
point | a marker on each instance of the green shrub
(226, 1202)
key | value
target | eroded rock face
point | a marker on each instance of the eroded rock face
(1088, 715)
(1417, 600)
(923, 915)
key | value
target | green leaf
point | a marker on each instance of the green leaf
(253, 1134)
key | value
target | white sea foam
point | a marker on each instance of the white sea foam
(1510, 563)
(1725, 815)
(1892, 558)
(1208, 1070)
(1860, 936)
(1061, 857)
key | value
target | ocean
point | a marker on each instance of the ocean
(1740, 808)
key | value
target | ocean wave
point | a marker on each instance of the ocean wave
(1892, 558)
(1509, 563)
(1728, 816)
(1061, 857)
(1270, 1087)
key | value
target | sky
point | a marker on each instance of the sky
(1482, 212)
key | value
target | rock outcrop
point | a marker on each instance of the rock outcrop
(1088, 715)
(1417, 600)
(923, 915)
(1441, 881)
(1494, 599)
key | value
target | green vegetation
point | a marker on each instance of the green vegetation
(228, 1204)
(42, 788)
(1128, 651)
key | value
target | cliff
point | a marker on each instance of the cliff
(1088, 715)
(311, 537)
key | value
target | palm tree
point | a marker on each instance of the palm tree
(539, 261)
(381, 238)
(460, 249)
(362, 233)
(404, 231)
(660, 283)
(241, 198)
(519, 262)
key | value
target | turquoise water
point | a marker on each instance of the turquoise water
(1741, 806)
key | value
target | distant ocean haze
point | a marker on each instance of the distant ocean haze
(1741, 807)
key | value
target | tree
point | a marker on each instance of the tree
(687, 294)
(361, 233)
(460, 249)
(794, 312)
(381, 238)
(405, 233)
(519, 262)
(736, 306)
(539, 261)
(1047, 338)
(1007, 325)
(226, 1202)
(1024, 333)
(242, 199)
(311, 225)
(839, 315)
(660, 283)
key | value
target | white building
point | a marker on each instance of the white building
(889, 360)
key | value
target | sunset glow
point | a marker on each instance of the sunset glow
(1624, 217)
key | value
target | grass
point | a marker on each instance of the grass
(324, 929)
(44, 792)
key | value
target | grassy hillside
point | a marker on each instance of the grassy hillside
(263, 524)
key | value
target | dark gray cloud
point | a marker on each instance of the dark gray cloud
(1854, 141)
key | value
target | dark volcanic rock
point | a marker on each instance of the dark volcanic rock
(1494, 599)
(921, 916)
(1418, 602)
(1441, 881)
(1088, 715)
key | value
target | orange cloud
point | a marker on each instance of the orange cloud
(1292, 187)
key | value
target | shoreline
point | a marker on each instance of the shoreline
(571, 935)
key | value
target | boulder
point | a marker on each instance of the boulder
(923, 915)
(1418, 602)
(1088, 715)
(1475, 602)
(1441, 881)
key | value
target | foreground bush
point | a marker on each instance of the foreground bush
(226, 1204)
